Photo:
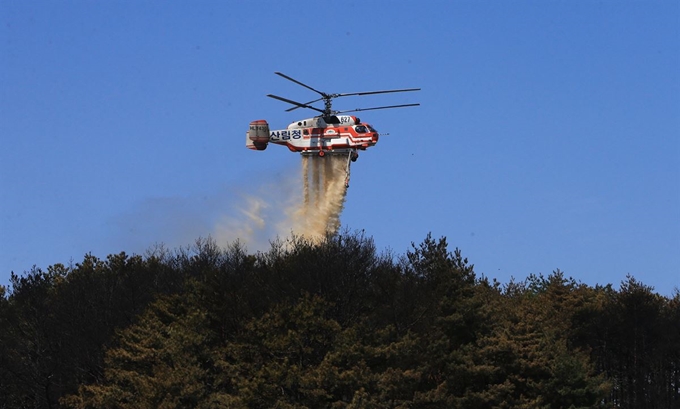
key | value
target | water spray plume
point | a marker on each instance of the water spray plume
(323, 197)
(310, 210)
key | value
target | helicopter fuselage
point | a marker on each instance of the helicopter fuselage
(330, 134)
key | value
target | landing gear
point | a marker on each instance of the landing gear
(354, 156)
(322, 153)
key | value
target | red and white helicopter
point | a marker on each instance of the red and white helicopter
(327, 133)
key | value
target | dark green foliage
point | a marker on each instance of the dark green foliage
(333, 324)
(57, 323)
(641, 334)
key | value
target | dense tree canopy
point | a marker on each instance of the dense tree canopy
(334, 324)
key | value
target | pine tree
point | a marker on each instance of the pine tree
(162, 361)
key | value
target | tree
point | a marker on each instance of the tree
(276, 363)
(527, 359)
(163, 361)
(33, 371)
(642, 353)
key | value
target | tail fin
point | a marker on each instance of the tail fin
(257, 137)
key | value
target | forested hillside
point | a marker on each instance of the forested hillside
(330, 325)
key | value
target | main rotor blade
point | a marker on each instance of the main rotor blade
(299, 83)
(372, 109)
(379, 92)
(306, 103)
(295, 103)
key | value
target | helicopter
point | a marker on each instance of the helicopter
(329, 133)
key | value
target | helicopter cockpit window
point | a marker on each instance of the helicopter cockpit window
(360, 129)
(372, 129)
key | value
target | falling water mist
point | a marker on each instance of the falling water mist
(323, 196)
(310, 207)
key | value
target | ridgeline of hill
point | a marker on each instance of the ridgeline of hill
(329, 325)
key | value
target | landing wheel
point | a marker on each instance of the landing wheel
(322, 154)
(354, 156)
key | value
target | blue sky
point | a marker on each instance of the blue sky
(548, 135)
